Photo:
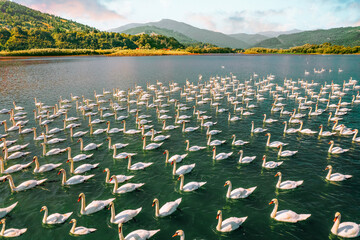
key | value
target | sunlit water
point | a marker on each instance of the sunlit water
(49, 78)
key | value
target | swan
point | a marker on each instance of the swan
(220, 156)
(270, 164)
(74, 179)
(180, 233)
(356, 139)
(6, 210)
(326, 133)
(345, 229)
(53, 151)
(269, 120)
(191, 186)
(16, 148)
(113, 130)
(11, 232)
(116, 145)
(257, 130)
(346, 132)
(45, 167)
(121, 155)
(238, 142)
(233, 119)
(94, 206)
(13, 128)
(82, 168)
(287, 184)
(128, 187)
(336, 177)
(286, 215)
(131, 131)
(159, 137)
(214, 142)
(167, 209)
(55, 218)
(305, 131)
(120, 178)
(167, 128)
(77, 134)
(212, 132)
(139, 234)
(150, 146)
(24, 131)
(229, 224)
(89, 147)
(12, 169)
(80, 230)
(138, 165)
(184, 169)
(52, 141)
(286, 153)
(189, 129)
(245, 159)
(336, 150)
(123, 216)
(6, 142)
(97, 131)
(192, 148)
(290, 130)
(78, 157)
(238, 192)
(14, 155)
(274, 144)
(52, 131)
(178, 158)
(23, 186)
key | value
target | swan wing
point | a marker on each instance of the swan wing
(141, 234)
(348, 229)
(169, 207)
(4, 211)
(232, 223)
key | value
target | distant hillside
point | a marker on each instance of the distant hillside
(197, 34)
(250, 39)
(271, 34)
(348, 36)
(151, 30)
(16, 15)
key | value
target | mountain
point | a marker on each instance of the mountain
(271, 34)
(250, 39)
(197, 34)
(151, 30)
(347, 36)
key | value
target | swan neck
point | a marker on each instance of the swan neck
(174, 168)
(181, 183)
(112, 208)
(72, 230)
(214, 153)
(241, 157)
(124, 130)
(46, 212)
(69, 153)
(1, 166)
(280, 150)
(114, 154)
(188, 143)
(63, 181)
(321, 130)
(274, 211)
(229, 190)
(209, 139)
(35, 133)
(218, 226)
(129, 162)
(335, 227)
(2, 229)
(268, 140)
(91, 129)
(44, 150)
(285, 127)
(233, 142)
(81, 145)
(11, 183)
(37, 165)
(71, 166)
(252, 126)
(329, 174)
(264, 117)
(279, 181)
(157, 209)
(82, 204)
(331, 146)
(144, 142)
(115, 185)
(354, 137)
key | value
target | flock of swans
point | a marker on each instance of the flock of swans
(114, 108)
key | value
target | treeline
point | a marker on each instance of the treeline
(325, 48)
(22, 39)
(211, 50)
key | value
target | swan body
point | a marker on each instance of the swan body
(45, 167)
(178, 158)
(286, 215)
(78, 157)
(220, 156)
(290, 130)
(345, 229)
(191, 186)
(229, 224)
(120, 178)
(305, 131)
(335, 177)
(238, 142)
(287, 184)
(167, 209)
(214, 142)
(82, 168)
(257, 130)
(150, 146)
(274, 144)
(245, 159)
(325, 133)
(11, 232)
(286, 153)
(13, 168)
(123, 216)
(184, 169)
(270, 164)
(6, 210)
(55, 218)
(80, 230)
(139, 234)
(138, 165)
(89, 147)
(238, 192)
(25, 185)
(336, 150)
(192, 148)
(77, 179)
(128, 187)
(94, 206)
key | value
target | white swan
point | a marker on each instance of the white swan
(25, 185)
(120, 178)
(189, 129)
(290, 130)
(45, 167)
(167, 128)
(13, 168)
(138, 165)
(116, 145)
(238, 142)
(356, 139)
(128, 187)
(184, 169)
(270, 164)
(113, 130)
(305, 131)
(274, 144)
(82, 168)
(336, 150)
(55, 218)
(220, 156)
(123, 216)
(212, 132)
(78, 157)
(6, 210)
(192, 148)
(257, 130)
(11, 232)
(325, 133)
(269, 120)
(14, 155)
(180, 233)
(229, 224)
(77, 134)
(286, 153)
(53, 151)
(94, 206)
(139, 234)
(287, 184)
(336, 177)
(80, 230)
(74, 179)
(238, 193)
(150, 146)
(191, 186)
(167, 209)
(131, 131)
(214, 142)
(159, 137)
(245, 159)
(121, 155)
(89, 147)
(97, 131)
(178, 158)
(345, 229)
(286, 215)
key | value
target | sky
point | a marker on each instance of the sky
(227, 16)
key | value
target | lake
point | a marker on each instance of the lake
(49, 78)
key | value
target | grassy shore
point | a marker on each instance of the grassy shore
(74, 52)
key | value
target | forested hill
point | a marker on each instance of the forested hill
(22, 28)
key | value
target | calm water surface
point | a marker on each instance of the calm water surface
(49, 78)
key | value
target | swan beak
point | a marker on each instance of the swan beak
(179, 178)
(41, 210)
(153, 204)
(59, 172)
(71, 221)
(111, 179)
(172, 163)
(329, 142)
(335, 219)
(326, 168)
(78, 140)
(217, 216)
(175, 235)
(225, 184)
(119, 229)
(79, 199)
(276, 175)
(271, 202)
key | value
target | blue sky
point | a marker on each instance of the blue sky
(227, 16)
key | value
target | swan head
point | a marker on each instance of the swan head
(81, 195)
(79, 140)
(108, 122)
(106, 170)
(155, 201)
(233, 136)
(113, 177)
(166, 151)
(241, 151)
(267, 134)
(284, 122)
(227, 183)
(337, 216)
(273, 201)
(178, 233)
(69, 160)
(186, 141)
(73, 220)
(35, 158)
(328, 167)
(218, 214)
(181, 176)
(214, 148)
(278, 174)
(110, 205)
(61, 171)
(3, 221)
(43, 208)
(331, 142)
(108, 138)
(264, 158)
